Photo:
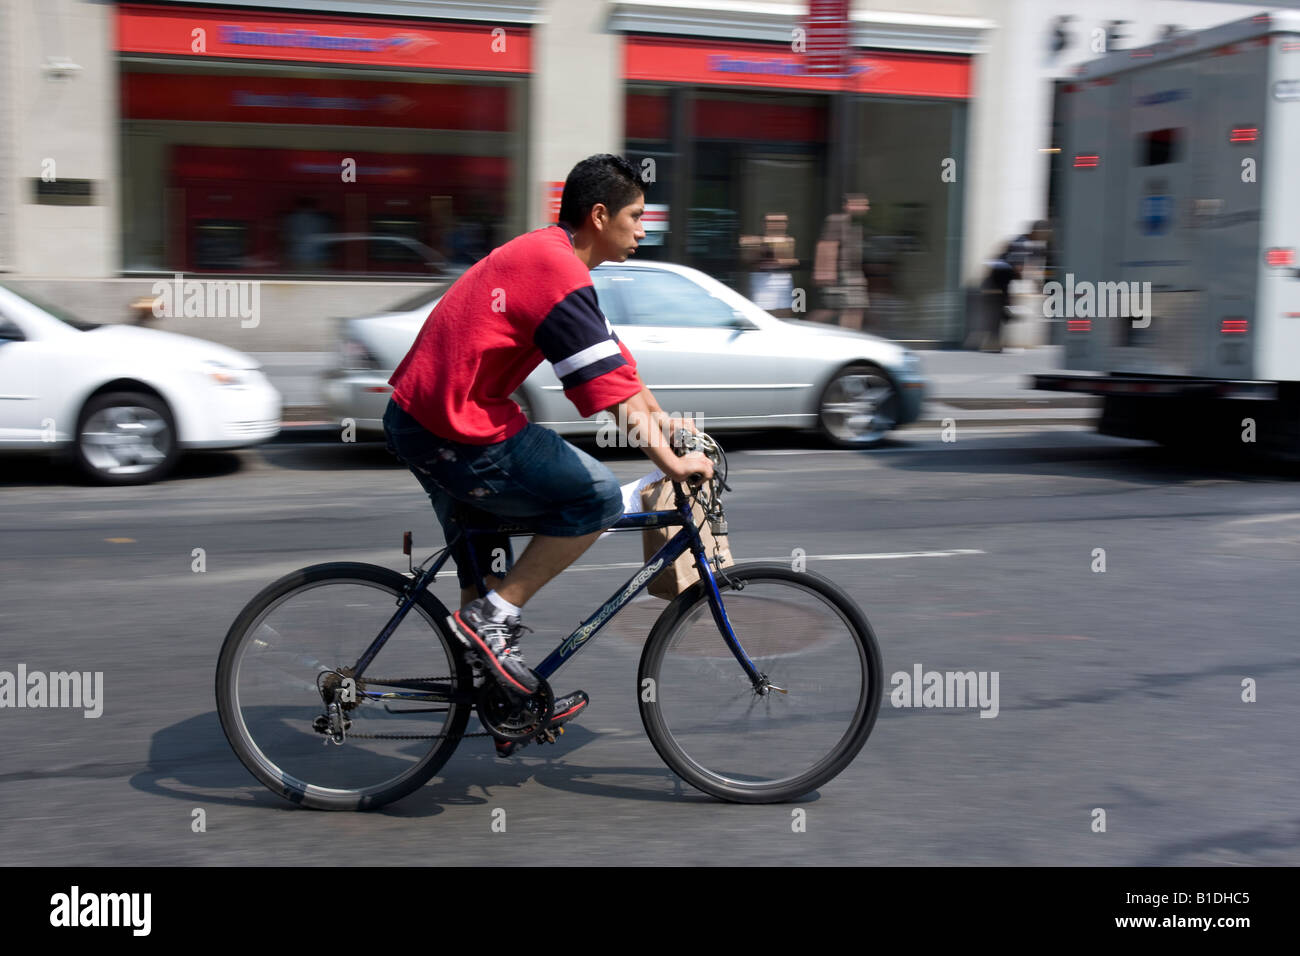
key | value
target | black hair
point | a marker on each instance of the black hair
(603, 178)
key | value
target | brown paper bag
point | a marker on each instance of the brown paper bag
(682, 573)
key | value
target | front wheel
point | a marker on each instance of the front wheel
(293, 651)
(126, 438)
(744, 744)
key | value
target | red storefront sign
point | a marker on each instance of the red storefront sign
(827, 41)
(287, 169)
(242, 34)
(554, 190)
(314, 100)
(774, 66)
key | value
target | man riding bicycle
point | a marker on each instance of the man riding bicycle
(453, 423)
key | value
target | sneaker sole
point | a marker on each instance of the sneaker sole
(475, 644)
(573, 711)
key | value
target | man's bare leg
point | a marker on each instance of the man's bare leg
(472, 594)
(543, 559)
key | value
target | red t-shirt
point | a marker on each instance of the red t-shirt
(528, 300)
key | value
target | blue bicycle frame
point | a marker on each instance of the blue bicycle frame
(687, 537)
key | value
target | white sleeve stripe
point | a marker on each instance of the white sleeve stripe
(587, 356)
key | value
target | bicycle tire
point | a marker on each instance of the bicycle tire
(251, 633)
(712, 753)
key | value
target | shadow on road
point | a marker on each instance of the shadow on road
(45, 470)
(192, 761)
(1082, 453)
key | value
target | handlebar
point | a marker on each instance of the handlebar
(685, 441)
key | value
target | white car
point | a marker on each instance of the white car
(124, 400)
(702, 348)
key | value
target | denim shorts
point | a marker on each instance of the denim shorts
(534, 479)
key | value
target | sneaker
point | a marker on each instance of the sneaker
(494, 642)
(566, 708)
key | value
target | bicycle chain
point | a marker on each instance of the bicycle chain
(376, 680)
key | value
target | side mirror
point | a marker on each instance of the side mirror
(741, 323)
(10, 332)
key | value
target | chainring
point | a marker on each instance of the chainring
(508, 717)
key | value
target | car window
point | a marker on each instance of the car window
(54, 311)
(606, 282)
(9, 331)
(652, 297)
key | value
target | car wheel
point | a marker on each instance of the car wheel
(859, 407)
(126, 438)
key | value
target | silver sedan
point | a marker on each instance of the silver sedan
(702, 348)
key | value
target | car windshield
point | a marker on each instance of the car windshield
(67, 318)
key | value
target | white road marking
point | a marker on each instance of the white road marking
(785, 558)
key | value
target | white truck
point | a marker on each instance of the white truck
(1179, 220)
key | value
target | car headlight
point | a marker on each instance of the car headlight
(219, 373)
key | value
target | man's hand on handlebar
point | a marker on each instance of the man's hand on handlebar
(683, 468)
(644, 428)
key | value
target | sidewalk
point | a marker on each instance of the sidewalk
(981, 388)
(972, 388)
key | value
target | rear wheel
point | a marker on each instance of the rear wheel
(287, 656)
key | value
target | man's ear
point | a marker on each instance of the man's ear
(599, 215)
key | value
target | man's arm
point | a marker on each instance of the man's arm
(642, 421)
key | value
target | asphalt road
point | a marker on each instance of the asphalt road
(1119, 690)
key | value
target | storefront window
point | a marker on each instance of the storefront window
(756, 155)
(317, 170)
(912, 231)
(770, 170)
(648, 123)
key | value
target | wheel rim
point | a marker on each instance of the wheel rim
(126, 440)
(858, 407)
(311, 631)
(736, 738)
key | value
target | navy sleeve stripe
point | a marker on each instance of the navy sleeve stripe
(574, 324)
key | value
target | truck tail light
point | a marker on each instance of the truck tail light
(1244, 134)
(1280, 257)
(1086, 161)
(1234, 326)
(1078, 325)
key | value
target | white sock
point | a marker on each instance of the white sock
(501, 608)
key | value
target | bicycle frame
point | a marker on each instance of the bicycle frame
(687, 538)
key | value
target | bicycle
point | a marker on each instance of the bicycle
(759, 700)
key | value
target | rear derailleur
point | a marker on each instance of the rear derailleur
(338, 691)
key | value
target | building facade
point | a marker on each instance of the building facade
(347, 152)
